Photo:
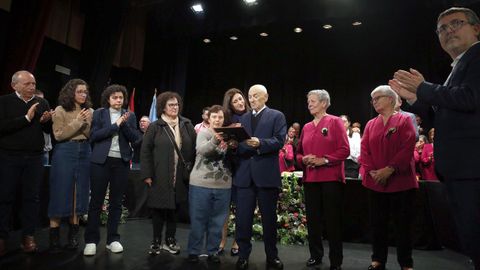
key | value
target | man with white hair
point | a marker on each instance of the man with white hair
(257, 177)
(23, 119)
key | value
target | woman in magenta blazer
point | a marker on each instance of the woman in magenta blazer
(322, 149)
(388, 172)
(427, 163)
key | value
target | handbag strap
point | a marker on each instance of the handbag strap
(175, 145)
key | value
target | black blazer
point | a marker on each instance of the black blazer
(103, 130)
(455, 109)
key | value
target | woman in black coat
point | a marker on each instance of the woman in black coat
(164, 170)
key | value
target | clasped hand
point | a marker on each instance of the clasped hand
(381, 176)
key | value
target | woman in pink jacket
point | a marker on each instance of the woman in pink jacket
(388, 172)
(322, 150)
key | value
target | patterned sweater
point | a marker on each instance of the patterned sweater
(211, 169)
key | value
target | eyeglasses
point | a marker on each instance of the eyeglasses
(454, 25)
(81, 93)
(375, 99)
(172, 105)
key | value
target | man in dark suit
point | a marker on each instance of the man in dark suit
(455, 107)
(258, 176)
(23, 119)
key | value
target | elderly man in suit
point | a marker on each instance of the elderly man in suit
(455, 106)
(257, 177)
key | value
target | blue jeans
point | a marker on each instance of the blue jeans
(208, 210)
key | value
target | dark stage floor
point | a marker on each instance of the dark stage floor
(136, 237)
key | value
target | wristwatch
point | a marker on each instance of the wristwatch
(326, 160)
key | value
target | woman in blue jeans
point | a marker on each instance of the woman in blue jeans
(70, 171)
(210, 185)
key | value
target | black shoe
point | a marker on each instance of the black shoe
(313, 262)
(335, 268)
(221, 251)
(275, 264)
(214, 258)
(73, 237)
(378, 267)
(55, 240)
(242, 264)
(155, 247)
(234, 252)
(192, 258)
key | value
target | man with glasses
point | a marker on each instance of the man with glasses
(455, 109)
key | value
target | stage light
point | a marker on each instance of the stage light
(327, 26)
(233, 38)
(197, 8)
(297, 30)
(250, 2)
(263, 34)
(357, 23)
(206, 40)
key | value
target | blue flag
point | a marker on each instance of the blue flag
(153, 108)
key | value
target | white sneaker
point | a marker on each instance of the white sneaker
(90, 249)
(115, 247)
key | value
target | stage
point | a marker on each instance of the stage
(136, 237)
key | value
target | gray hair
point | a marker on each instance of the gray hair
(321, 94)
(387, 91)
(16, 75)
(260, 88)
(472, 17)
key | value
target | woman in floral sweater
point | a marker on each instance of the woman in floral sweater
(210, 184)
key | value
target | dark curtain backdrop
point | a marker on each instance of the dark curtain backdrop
(104, 21)
(348, 62)
(24, 38)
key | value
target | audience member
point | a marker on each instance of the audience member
(204, 124)
(354, 140)
(142, 126)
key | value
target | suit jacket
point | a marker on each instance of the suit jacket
(456, 117)
(260, 166)
(103, 130)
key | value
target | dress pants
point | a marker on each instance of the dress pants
(465, 199)
(114, 172)
(24, 172)
(267, 203)
(324, 206)
(401, 206)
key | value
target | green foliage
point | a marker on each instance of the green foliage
(104, 213)
(291, 215)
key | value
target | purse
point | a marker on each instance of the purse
(187, 166)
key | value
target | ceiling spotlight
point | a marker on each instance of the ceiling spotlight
(233, 38)
(327, 26)
(357, 23)
(206, 40)
(250, 2)
(263, 34)
(197, 8)
(297, 30)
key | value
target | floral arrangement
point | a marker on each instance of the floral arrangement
(104, 213)
(325, 131)
(291, 216)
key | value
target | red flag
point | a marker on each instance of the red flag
(131, 103)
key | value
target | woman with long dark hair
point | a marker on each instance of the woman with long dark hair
(70, 171)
